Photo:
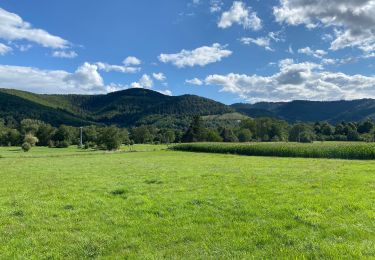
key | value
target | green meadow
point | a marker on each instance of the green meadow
(149, 202)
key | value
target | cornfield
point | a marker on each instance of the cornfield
(339, 150)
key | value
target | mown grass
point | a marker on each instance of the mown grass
(166, 204)
(12, 152)
(337, 150)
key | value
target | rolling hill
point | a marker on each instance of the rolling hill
(141, 106)
(125, 108)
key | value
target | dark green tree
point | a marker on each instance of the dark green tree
(45, 134)
(141, 135)
(195, 132)
(303, 133)
(228, 135)
(212, 135)
(244, 135)
(110, 138)
(366, 127)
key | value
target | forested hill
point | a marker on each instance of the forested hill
(141, 106)
(311, 111)
(125, 108)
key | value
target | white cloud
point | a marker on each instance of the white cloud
(328, 61)
(113, 87)
(290, 49)
(132, 61)
(242, 15)
(369, 55)
(216, 5)
(194, 81)
(200, 56)
(165, 92)
(315, 53)
(144, 82)
(159, 76)
(352, 20)
(12, 28)
(4, 49)
(85, 79)
(118, 68)
(24, 47)
(296, 81)
(64, 54)
(276, 36)
(264, 42)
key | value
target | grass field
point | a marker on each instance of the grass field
(157, 203)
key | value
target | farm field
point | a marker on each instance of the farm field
(332, 150)
(156, 203)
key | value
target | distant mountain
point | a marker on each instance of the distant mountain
(312, 111)
(141, 106)
(125, 108)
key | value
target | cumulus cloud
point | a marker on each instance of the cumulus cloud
(353, 21)
(132, 61)
(315, 53)
(64, 54)
(4, 49)
(12, 27)
(296, 81)
(194, 81)
(159, 76)
(200, 56)
(240, 14)
(144, 82)
(117, 68)
(85, 79)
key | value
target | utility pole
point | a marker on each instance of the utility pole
(81, 138)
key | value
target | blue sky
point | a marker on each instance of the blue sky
(231, 51)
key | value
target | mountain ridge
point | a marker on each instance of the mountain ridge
(124, 108)
(312, 111)
(142, 106)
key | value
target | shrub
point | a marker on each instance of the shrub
(51, 144)
(89, 145)
(31, 139)
(26, 147)
(110, 138)
(306, 137)
(62, 144)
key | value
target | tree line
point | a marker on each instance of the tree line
(30, 132)
(275, 130)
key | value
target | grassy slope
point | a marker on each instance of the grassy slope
(52, 101)
(158, 204)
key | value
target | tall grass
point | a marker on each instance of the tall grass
(339, 150)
